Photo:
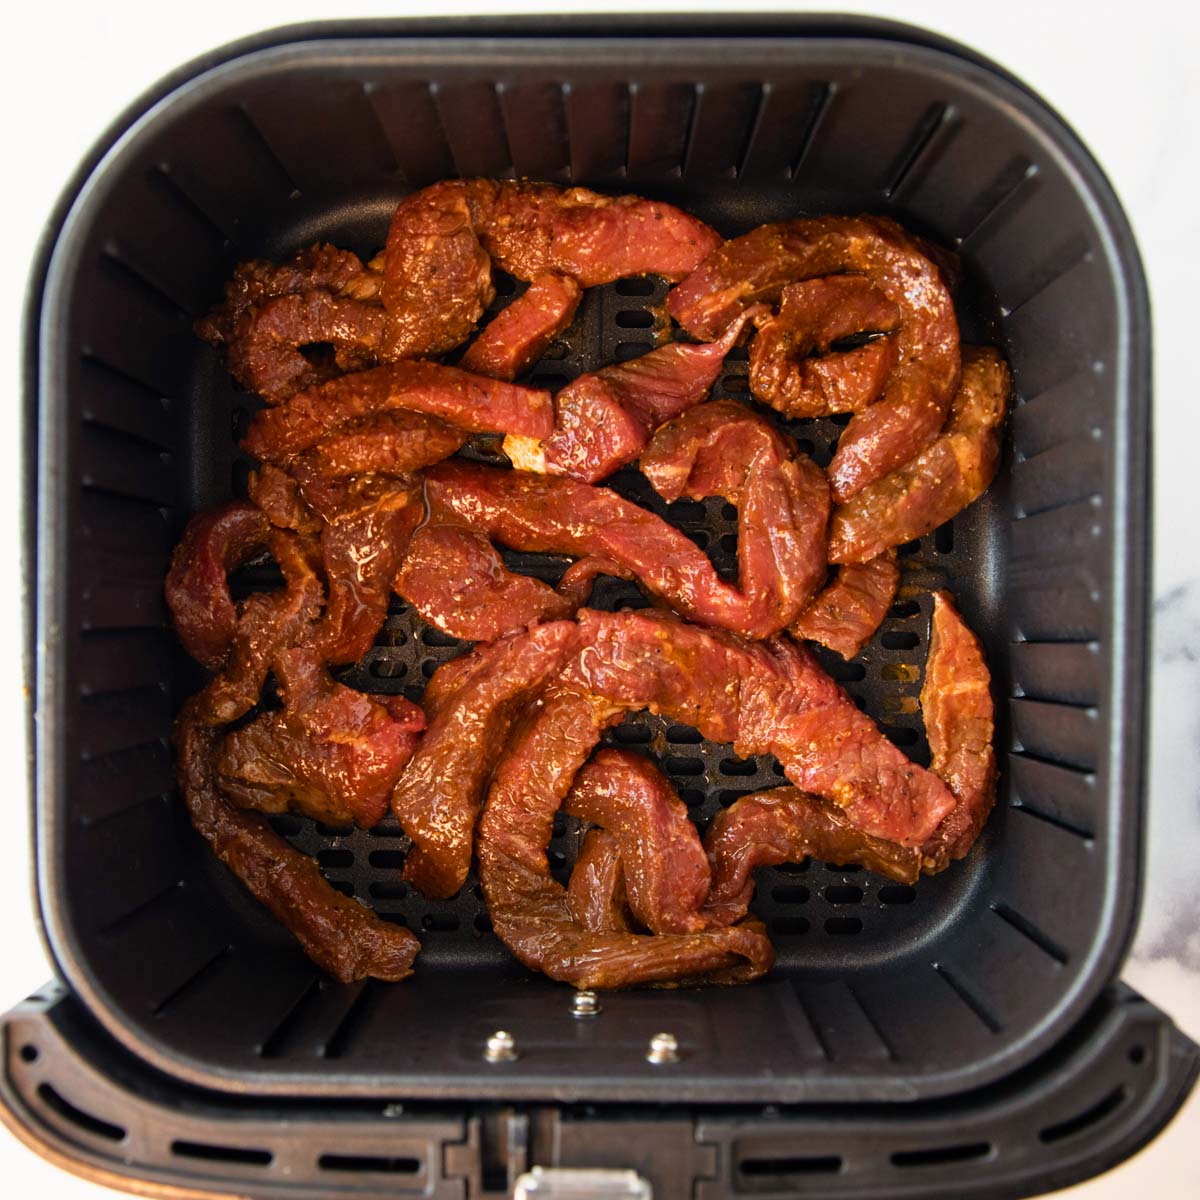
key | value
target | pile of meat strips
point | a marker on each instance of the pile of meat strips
(358, 494)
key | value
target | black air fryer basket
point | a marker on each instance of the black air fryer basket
(963, 1038)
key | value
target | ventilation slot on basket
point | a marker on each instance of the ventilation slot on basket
(369, 1163)
(227, 1154)
(365, 1005)
(969, 1152)
(1085, 1119)
(779, 1169)
(936, 117)
(84, 1120)
(969, 999)
(821, 99)
(277, 1043)
(1025, 926)
(1000, 194)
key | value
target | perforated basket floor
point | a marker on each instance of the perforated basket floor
(811, 908)
(881, 992)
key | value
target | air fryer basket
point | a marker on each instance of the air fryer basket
(881, 992)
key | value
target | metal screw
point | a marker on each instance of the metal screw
(585, 1004)
(501, 1047)
(664, 1048)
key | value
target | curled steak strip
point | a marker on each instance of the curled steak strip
(604, 419)
(665, 871)
(940, 481)
(530, 910)
(444, 239)
(793, 367)
(788, 825)
(438, 796)
(758, 265)
(780, 516)
(956, 701)
(333, 753)
(336, 932)
(845, 614)
(197, 588)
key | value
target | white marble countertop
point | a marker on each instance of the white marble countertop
(1124, 76)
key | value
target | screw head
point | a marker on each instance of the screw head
(585, 1004)
(501, 1046)
(664, 1048)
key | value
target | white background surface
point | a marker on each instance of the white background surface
(1124, 75)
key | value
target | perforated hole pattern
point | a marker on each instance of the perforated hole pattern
(803, 905)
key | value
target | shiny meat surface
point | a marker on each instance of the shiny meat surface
(941, 480)
(268, 622)
(438, 796)
(596, 894)
(520, 334)
(197, 586)
(333, 753)
(758, 265)
(786, 825)
(531, 911)
(272, 309)
(793, 366)
(766, 698)
(466, 401)
(780, 515)
(389, 443)
(665, 871)
(362, 549)
(845, 614)
(336, 932)
(444, 239)
(956, 701)
(268, 355)
(278, 495)
(604, 419)
(457, 581)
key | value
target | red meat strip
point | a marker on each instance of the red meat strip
(520, 334)
(333, 753)
(197, 589)
(603, 420)
(444, 239)
(438, 796)
(596, 894)
(846, 614)
(531, 911)
(278, 495)
(940, 481)
(788, 825)
(665, 871)
(760, 264)
(389, 443)
(270, 310)
(813, 314)
(956, 701)
(465, 400)
(766, 698)
(362, 548)
(781, 515)
(336, 932)
(268, 622)
(457, 581)
(267, 357)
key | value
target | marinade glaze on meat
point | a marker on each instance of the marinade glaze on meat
(355, 502)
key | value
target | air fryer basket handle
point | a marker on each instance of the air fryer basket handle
(73, 1095)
